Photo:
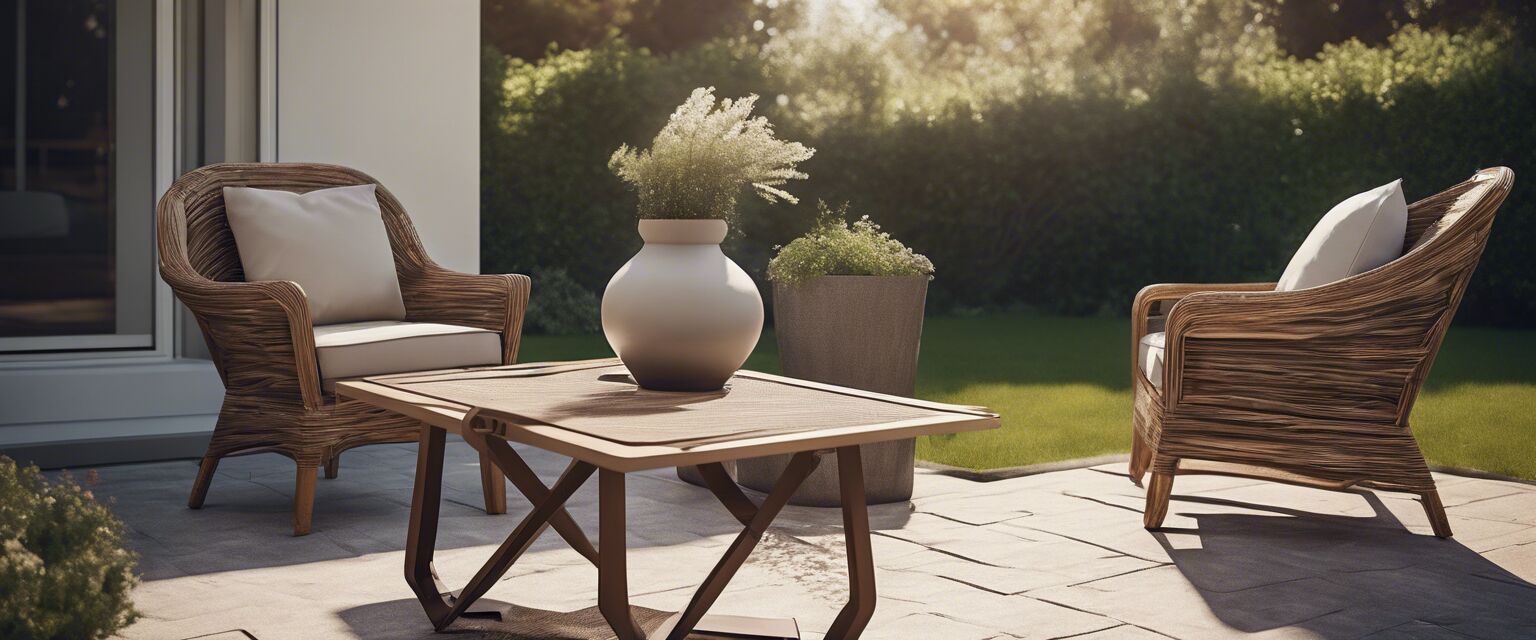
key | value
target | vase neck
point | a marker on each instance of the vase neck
(679, 231)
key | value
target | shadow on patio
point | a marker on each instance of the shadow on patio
(1345, 576)
(245, 522)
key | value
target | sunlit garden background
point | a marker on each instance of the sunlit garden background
(1051, 157)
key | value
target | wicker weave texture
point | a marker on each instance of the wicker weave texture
(259, 333)
(1319, 382)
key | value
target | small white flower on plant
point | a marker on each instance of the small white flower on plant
(835, 248)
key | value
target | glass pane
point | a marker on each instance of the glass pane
(76, 172)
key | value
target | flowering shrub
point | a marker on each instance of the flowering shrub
(835, 248)
(704, 156)
(63, 570)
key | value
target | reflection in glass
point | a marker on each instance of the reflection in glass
(76, 108)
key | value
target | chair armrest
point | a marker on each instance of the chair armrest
(1151, 295)
(1322, 356)
(493, 302)
(1273, 315)
(260, 333)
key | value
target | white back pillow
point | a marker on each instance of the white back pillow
(332, 242)
(1357, 235)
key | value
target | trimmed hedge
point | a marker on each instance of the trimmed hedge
(1059, 202)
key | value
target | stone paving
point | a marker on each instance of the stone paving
(1055, 555)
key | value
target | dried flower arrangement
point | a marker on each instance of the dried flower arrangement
(704, 156)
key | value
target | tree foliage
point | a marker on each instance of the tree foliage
(529, 29)
(1049, 154)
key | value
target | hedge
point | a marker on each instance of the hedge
(1062, 202)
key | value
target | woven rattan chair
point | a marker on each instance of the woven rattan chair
(260, 336)
(1311, 387)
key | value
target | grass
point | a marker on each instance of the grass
(1062, 386)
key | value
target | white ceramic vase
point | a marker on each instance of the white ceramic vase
(680, 314)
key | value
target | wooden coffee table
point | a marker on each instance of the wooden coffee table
(592, 412)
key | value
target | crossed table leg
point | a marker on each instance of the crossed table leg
(444, 606)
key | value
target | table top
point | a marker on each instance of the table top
(593, 411)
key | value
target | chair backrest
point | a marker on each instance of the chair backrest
(1468, 208)
(1422, 290)
(1444, 241)
(194, 234)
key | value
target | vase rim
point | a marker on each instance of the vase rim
(683, 230)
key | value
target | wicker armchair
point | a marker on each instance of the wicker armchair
(1311, 387)
(260, 335)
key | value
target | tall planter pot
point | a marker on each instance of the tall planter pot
(681, 315)
(855, 331)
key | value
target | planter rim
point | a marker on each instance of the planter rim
(683, 230)
(841, 275)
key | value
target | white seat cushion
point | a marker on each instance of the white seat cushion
(332, 242)
(1359, 234)
(357, 349)
(1151, 357)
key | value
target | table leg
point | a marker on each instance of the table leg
(527, 482)
(522, 537)
(799, 468)
(612, 572)
(491, 484)
(421, 532)
(861, 566)
(719, 482)
(441, 605)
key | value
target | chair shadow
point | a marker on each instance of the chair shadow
(1347, 577)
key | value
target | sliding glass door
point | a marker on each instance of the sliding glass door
(77, 175)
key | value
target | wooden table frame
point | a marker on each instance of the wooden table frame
(444, 606)
(610, 462)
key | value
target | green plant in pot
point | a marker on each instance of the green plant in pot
(848, 310)
(680, 314)
(63, 570)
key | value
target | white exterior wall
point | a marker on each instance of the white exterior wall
(390, 87)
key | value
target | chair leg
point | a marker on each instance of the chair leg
(304, 498)
(493, 484)
(1436, 512)
(204, 478)
(1158, 492)
(333, 467)
(1141, 457)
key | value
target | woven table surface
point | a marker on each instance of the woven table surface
(599, 399)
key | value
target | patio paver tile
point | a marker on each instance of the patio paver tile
(933, 626)
(1122, 632)
(1238, 559)
(1516, 507)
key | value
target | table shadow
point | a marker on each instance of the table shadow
(245, 523)
(404, 620)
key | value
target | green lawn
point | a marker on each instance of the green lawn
(1062, 386)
